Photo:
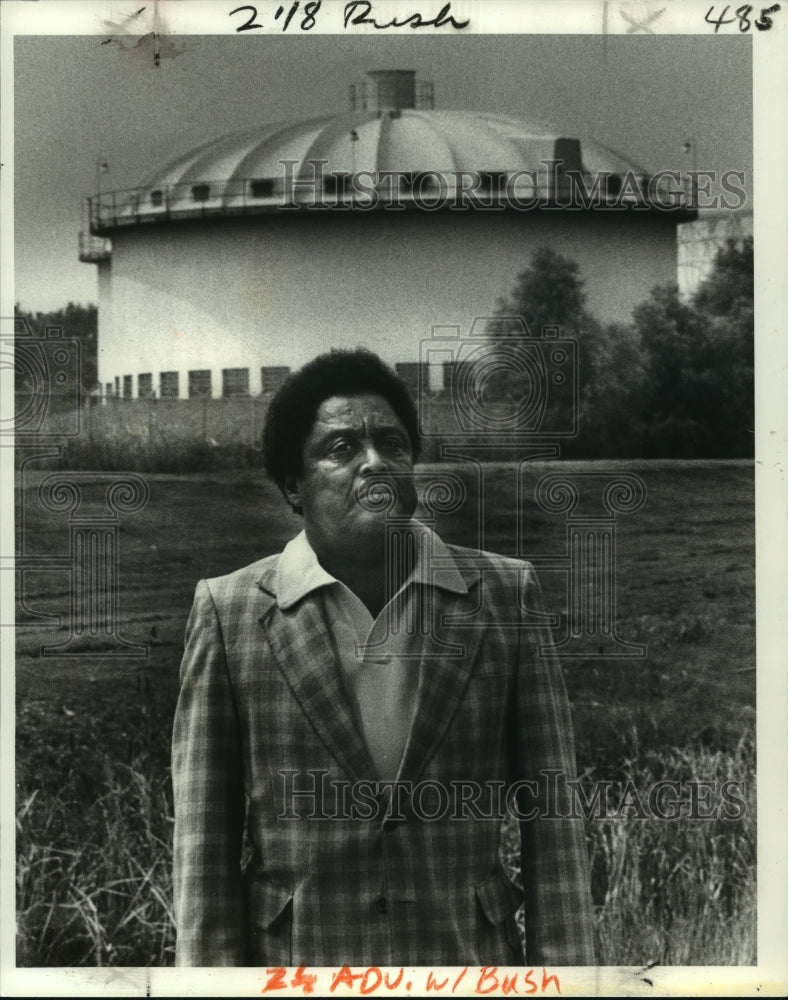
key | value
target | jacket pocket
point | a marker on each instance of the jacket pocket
(270, 923)
(498, 938)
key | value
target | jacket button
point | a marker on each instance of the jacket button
(382, 905)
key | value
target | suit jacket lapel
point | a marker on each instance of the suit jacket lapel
(443, 678)
(301, 643)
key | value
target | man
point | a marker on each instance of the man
(351, 711)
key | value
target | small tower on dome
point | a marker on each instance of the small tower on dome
(392, 90)
(398, 216)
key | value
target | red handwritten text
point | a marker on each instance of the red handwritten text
(376, 981)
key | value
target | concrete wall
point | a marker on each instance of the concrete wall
(276, 290)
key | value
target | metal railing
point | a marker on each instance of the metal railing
(328, 189)
(93, 249)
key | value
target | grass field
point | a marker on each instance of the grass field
(94, 819)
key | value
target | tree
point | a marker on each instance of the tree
(698, 395)
(611, 424)
(549, 292)
(676, 381)
(730, 286)
(77, 322)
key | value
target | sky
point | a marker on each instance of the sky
(76, 99)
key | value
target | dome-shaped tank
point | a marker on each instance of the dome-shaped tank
(260, 248)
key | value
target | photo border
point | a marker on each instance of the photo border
(770, 87)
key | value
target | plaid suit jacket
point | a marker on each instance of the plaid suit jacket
(263, 714)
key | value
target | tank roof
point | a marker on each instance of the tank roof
(394, 145)
(401, 139)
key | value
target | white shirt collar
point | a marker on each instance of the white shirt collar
(299, 572)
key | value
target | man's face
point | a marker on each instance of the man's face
(354, 442)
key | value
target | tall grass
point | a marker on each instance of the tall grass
(97, 891)
(679, 891)
(94, 828)
(670, 891)
(94, 883)
(92, 739)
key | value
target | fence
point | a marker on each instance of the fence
(156, 423)
(177, 434)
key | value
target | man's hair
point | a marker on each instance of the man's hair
(294, 407)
